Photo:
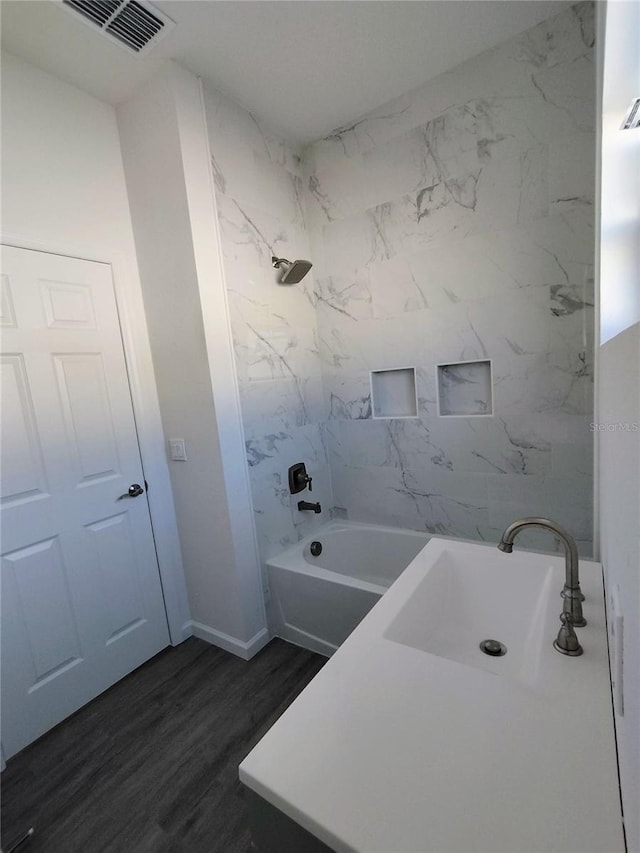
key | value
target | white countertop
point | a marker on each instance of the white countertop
(392, 749)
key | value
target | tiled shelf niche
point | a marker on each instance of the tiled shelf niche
(393, 393)
(465, 389)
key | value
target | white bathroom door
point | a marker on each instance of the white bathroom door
(82, 601)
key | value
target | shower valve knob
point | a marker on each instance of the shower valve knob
(298, 478)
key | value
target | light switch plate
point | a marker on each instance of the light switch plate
(177, 450)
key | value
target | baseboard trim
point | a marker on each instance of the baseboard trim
(245, 650)
(187, 631)
(307, 641)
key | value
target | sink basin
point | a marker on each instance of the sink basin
(461, 602)
(419, 741)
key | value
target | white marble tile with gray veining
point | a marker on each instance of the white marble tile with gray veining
(294, 401)
(245, 227)
(567, 500)
(444, 504)
(274, 188)
(347, 295)
(563, 38)
(497, 445)
(271, 449)
(347, 395)
(395, 443)
(571, 181)
(400, 285)
(495, 196)
(337, 191)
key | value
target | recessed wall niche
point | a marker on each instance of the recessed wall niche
(465, 389)
(393, 393)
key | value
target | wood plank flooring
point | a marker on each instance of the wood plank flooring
(151, 766)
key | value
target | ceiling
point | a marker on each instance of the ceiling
(304, 67)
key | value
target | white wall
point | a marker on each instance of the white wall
(618, 412)
(618, 407)
(171, 194)
(63, 190)
(620, 247)
(62, 178)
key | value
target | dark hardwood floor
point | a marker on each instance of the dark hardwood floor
(151, 766)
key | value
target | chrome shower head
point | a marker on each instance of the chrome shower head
(292, 271)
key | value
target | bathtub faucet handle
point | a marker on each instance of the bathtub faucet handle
(298, 478)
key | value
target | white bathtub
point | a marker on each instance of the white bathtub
(316, 602)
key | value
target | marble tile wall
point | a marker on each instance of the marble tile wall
(456, 224)
(259, 197)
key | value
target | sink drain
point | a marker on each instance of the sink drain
(494, 648)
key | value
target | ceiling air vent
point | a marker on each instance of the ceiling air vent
(632, 116)
(135, 25)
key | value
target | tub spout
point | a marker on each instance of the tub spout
(308, 505)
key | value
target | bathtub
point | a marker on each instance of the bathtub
(316, 602)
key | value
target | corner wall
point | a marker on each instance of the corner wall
(168, 177)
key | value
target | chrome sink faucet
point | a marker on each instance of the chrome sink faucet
(566, 642)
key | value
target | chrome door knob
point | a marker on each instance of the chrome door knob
(135, 490)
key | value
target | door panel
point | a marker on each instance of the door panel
(67, 306)
(23, 476)
(44, 603)
(7, 314)
(115, 565)
(87, 415)
(82, 602)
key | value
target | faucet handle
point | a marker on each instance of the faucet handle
(298, 478)
(567, 642)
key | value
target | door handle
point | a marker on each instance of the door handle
(135, 490)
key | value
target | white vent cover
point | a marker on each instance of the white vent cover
(632, 116)
(134, 24)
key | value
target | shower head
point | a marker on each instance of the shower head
(292, 271)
